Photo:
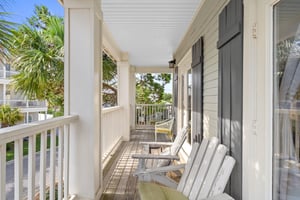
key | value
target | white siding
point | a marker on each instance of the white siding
(205, 24)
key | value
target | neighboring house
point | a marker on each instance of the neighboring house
(33, 110)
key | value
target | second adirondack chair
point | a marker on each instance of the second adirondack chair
(171, 150)
(164, 127)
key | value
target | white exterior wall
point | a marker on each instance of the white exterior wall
(124, 97)
(206, 24)
(257, 86)
(132, 89)
(112, 125)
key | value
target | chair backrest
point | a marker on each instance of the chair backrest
(171, 122)
(175, 147)
(179, 140)
(167, 123)
(207, 170)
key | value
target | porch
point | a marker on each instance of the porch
(224, 84)
(40, 164)
(118, 177)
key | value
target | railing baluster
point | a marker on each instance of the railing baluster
(52, 163)
(148, 114)
(16, 135)
(145, 115)
(18, 155)
(60, 162)
(31, 166)
(2, 171)
(43, 157)
(152, 113)
(66, 160)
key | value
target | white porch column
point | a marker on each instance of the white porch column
(124, 95)
(132, 88)
(83, 33)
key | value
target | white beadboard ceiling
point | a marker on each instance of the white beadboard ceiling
(148, 30)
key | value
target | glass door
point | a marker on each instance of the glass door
(286, 97)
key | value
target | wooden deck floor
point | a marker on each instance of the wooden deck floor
(118, 179)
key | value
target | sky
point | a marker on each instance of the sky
(22, 9)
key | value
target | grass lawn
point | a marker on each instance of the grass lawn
(10, 147)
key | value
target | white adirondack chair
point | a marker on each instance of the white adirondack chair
(170, 151)
(205, 175)
(164, 127)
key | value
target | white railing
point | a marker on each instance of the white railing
(113, 129)
(7, 73)
(51, 179)
(148, 114)
(24, 103)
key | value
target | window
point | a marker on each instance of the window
(110, 82)
(182, 100)
(286, 98)
(189, 103)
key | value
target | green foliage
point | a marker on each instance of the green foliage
(5, 32)
(109, 70)
(110, 80)
(10, 146)
(9, 116)
(167, 98)
(37, 53)
(150, 88)
(285, 49)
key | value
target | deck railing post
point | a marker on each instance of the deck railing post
(2, 171)
(82, 81)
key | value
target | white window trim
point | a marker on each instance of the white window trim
(258, 99)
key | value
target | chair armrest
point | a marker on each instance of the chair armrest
(151, 156)
(223, 196)
(163, 121)
(157, 144)
(160, 169)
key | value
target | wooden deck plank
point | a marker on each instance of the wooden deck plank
(118, 178)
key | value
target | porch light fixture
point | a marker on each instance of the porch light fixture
(172, 63)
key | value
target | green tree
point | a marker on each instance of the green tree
(110, 80)
(167, 97)
(37, 53)
(150, 88)
(9, 116)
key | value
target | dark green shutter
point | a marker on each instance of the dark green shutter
(197, 90)
(175, 98)
(230, 101)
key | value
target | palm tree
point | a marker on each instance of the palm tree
(37, 53)
(5, 32)
(9, 116)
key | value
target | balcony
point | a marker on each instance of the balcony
(147, 114)
(229, 47)
(6, 74)
(42, 173)
(46, 168)
(22, 104)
